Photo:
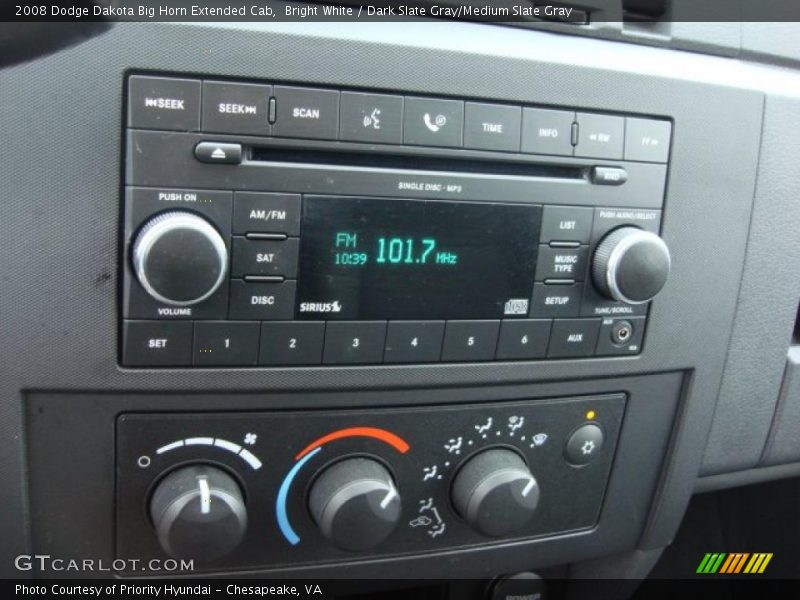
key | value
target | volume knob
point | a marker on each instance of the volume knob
(179, 258)
(631, 265)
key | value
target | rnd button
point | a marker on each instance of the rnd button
(262, 301)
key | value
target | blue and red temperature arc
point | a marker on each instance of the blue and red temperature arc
(314, 448)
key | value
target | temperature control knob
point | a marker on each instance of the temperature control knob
(631, 265)
(198, 512)
(355, 503)
(495, 492)
(179, 258)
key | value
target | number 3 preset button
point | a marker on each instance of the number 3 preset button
(354, 342)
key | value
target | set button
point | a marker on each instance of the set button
(157, 343)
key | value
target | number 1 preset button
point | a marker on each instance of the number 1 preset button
(291, 343)
(414, 341)
(354, 342)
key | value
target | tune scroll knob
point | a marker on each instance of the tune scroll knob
(179, 258)
(495, 492)
(631, 265)
(355, 503)
(198, 512)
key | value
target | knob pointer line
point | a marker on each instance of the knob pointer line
(307, 453)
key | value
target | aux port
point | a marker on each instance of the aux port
(622, 332)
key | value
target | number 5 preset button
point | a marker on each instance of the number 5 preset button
(354, 342)
(470, 340)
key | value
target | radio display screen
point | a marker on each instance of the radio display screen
(382, 259)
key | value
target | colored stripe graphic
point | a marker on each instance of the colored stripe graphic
(734, 563)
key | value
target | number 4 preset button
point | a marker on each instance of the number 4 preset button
(354, 342)
(292, 343)
(414, 341)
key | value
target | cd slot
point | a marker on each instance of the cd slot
(413, 163)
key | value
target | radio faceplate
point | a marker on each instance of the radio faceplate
(308, 252)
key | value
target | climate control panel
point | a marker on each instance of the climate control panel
(281, 489)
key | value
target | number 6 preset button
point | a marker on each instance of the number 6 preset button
(354, 342)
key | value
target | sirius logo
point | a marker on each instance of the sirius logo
(321, 307)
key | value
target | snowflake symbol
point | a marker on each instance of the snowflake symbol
(250, 438)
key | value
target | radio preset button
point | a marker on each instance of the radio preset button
(255, 212)
(524, 338)
(492, 127)
(547, 131)
(647, 139)
(306, 113)
(573, 338)
(414, 341)
(566, 224)
(235, 107)
(163, 103)
(375, 118)
(157, 343)
(561, 263)
(223, 343)
(262, 301)
(432, 122)
(265, 257)
(291, 343)
(470, 340)
(556, 300)
(354, 342)
(600, 136)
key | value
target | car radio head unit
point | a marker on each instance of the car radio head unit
(278, 236)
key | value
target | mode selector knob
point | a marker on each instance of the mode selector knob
(355, 503)
(198, 512)
(495, 492)
(631, 265)
(179, 258)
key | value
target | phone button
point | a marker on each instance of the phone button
(433, 122)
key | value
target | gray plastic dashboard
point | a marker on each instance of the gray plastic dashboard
(718, 334)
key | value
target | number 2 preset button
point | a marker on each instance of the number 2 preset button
(354, 342)
(292, 343)
(414, 341)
